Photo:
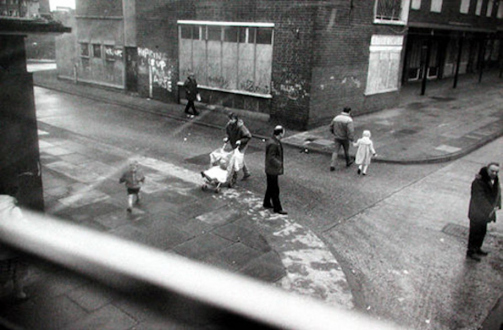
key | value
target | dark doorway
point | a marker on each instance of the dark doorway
(131, 69)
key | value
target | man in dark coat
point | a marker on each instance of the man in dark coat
(238, 136)
(274, 168)
(190, 86)
(485, 200)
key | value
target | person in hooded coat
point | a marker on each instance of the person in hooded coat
(364, 153)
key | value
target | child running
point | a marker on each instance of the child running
(364, 153)
(134, 179)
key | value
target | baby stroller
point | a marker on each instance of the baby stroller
(224, 166)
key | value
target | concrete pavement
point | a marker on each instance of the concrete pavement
(442, 125)
(230, 230)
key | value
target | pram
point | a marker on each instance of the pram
(224, 166)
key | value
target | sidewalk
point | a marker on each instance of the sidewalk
(442, 125)
(230, 230)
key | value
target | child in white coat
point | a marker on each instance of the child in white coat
(364, 153)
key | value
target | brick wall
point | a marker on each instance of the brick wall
(341, 54)
(291, 68)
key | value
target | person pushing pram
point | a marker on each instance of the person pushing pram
(224, 166)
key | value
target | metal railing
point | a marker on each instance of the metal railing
(221, 298)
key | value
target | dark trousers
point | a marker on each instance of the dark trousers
(272, 193)
(337, 146)
(476, 236)
(190, 104)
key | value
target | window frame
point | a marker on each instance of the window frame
(402, 18)
(87, 53)
(94, 47)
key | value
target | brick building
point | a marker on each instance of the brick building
(19, 153)
(299, 62)
(454, 37)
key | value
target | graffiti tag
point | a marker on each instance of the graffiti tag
(158, 65)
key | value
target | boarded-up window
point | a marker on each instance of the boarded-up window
(465, 6)
(231, 56)
(384, 64)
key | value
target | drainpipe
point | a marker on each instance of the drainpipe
(458, 61)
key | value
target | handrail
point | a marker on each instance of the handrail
(129, 265)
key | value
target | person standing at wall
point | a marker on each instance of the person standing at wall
(485, 200)
(274, 168)
(238, 136)
(191, 93)
(343, 130)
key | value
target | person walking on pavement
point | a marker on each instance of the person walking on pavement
(134, 179)
(191, 93)
(343, 130)
(364, 153)
(238, 136)
(485, 200)
(274, 168)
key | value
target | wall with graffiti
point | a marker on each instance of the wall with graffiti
(159, 69)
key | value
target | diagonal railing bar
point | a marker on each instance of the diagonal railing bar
(226, 298)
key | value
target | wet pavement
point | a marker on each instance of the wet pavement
(231, 230)
(442, 125)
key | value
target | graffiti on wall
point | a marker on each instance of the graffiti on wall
(249, 86)
(218, 81)
(158, 66)
(112, 53)
(291, 87)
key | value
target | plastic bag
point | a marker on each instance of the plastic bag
(198, 97)
(239, 160)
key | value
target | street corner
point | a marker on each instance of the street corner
(310, 267)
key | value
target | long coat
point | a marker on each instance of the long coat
(365, 151)
(274, 157)
(484, 198)
(190, 86)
